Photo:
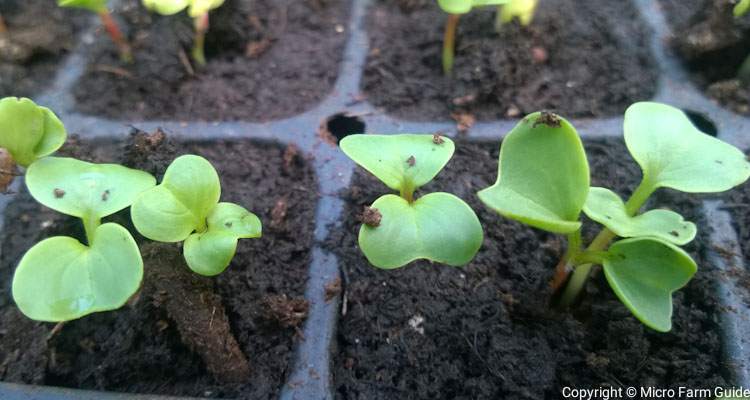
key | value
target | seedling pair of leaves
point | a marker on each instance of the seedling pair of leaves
(543, 181)
(185, 207)
(198, 10)
(507, 10)
(400, 229)
(100, 7)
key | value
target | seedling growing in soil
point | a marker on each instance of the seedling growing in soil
(198, 10)
(506, 11)
(185, 207)
(100, 7)
(61, 279)
(29, 132)
(543, 181)
(400, 229)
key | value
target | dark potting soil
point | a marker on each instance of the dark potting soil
(579, 57)
(738, 204)
(39, 34)
(267, 59)
(485, 331)
(713, 44)
(138, 348)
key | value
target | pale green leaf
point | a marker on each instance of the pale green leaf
(60, 279)
(464, 6)
(673, 153)
(166, 7)
(741, 8)
(605, 207)
(644, 272)
(83, 189)
(96, 6)
(209, 253)
(181, 203)
(404, 161)
(543, 176)
(200, 7)
(28, 131)
(521, 9)
(438, 227)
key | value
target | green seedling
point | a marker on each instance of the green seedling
(198, 10)
(100, 7)
(29, 132)
(543, 181)
(743, 74)
(60, 278)
(507, 10)
(185, 207)
(400, 229)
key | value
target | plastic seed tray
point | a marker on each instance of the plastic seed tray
(345, 115)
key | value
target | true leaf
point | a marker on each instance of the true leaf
(438, 227)
(673, 153)
(209, 253)
(605, 207)
(60, 279)
(92, 5)
(83, 189)
(28, 131)
(543, 176)
(181, 203)
(404, 161)
(644, 272)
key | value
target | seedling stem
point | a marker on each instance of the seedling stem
(201, 27)
(89, 225)
(449, 43)
(602, 240)
(126, 55)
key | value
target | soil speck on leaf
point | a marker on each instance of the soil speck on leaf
(675, 233)
(59, 193)
(547, 118)
(371, 217)
(411, 161)
(437, 139)
(105, 195)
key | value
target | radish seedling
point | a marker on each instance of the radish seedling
(543, 181)
(185, 207)
(198, 10)
(61, 279)
(507, 10)
(28, 132)
(100, 7)
(400, 229)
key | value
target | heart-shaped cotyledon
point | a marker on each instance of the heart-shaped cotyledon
(61, 279)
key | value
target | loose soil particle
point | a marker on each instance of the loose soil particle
(138, 348)
(713, 44)
(485, 331)
(302, 48)
(596, 61)
(39, 34)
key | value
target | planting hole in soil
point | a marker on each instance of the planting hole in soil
(342, 125)
(703, 123)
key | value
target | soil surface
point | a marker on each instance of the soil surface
(39, 34)
(738, 204)
(138, 348)
(485, 331)
(713, 44)
(267, 59)
(578, 57)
